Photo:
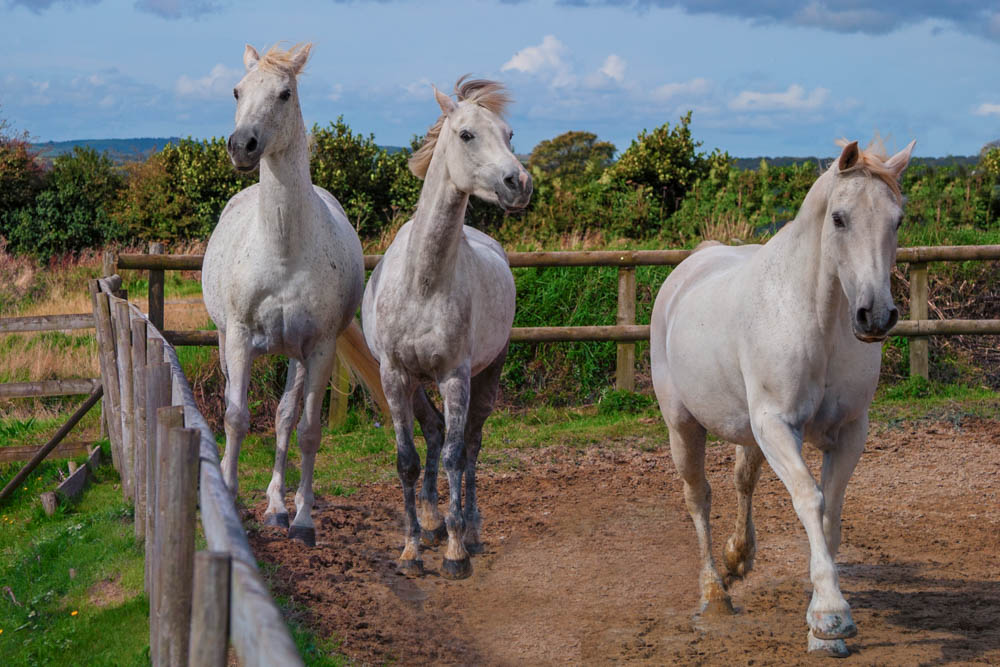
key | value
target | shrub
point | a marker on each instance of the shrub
(72, 212)
(571, 158)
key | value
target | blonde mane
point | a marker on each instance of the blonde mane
(490, 95)
(282, 62)
(871, 162)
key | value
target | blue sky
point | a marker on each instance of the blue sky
(767, 78)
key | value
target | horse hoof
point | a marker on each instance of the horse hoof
(280, 520)
(833, 626)
(413, 568)
(432, 538)
(304, 534)
(827, 648)
(475, 548)
(456, 569)
(718, 606)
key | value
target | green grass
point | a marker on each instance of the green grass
(52, 565)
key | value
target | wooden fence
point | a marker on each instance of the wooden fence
(169, 465)
(626, 332)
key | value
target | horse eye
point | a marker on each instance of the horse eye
(838, 221)
(236, 93)
(285, 95)
(466, 135)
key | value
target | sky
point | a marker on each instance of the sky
(761, 78)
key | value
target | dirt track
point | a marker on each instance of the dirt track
(591, 558)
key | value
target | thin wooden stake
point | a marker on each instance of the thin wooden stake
(156, 283)
(210, 610)
(919, 347)
(126, 384)
(167, 419)
(625, 363)
(139, 438)
(157, 396)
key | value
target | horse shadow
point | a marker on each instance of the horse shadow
(966, 609)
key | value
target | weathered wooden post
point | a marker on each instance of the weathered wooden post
(210, 610)
(167, 419)
(625, 364)
(178, 498)
(919, 346)
(156, 282)
(340, 389)
(157, 396)
(139, 394)
(109, 369)
(126, 384)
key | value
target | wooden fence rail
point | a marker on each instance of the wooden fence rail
(626, 332)
(169, 463)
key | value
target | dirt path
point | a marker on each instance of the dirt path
(591, 559)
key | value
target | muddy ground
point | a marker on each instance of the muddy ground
(591, 558)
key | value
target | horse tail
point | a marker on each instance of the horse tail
(353, 350)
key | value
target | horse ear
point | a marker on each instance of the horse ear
(897, 163)
(250, 57)
(446, 103)
(300, 58)
(849, 156)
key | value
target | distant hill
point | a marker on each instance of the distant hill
(120, 150)
(753, 163)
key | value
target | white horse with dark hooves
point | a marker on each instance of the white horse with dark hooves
(775, 345)
(439, 307)
(283, 274)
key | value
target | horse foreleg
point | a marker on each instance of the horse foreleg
(239, 357)
(284, 422)
(741, 547)
(687, 448)
(838, 465)
(432, 530)
(829, 615)
(399, 388)
(482, 397)
(455, 389)
(319, 365)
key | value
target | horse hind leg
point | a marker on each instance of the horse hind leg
(432, 528)
(687, 447)
(287, 415)
(741, 547)
(319, 365)
(482, 398)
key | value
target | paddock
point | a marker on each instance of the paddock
(590, 558)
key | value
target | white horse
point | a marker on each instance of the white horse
(439, 306)
(771, 346)
(283, 274)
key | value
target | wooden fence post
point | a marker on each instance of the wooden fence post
(625, 364)
(210, 610)
(178, 497)
(139, 434)
(156, 282)
(157, 396)
(126, 384)
(340, 389)
(919, 347)
(109, 369)
(167, 419)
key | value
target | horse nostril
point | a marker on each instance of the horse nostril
(229, 143)
(510, 182)
(252, 145)
(893, 318)
(864, 318)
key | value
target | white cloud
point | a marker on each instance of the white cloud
(987, 109)
(693, 88)
(216, 85)
(793, 99)
(545, 59)
(614, 68)
(336, 92)
(419, 89)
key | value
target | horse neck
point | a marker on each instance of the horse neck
(805, 268)
(287, 206)
(437, 228)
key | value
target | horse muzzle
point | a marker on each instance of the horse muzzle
(871, 326)
(245, 150)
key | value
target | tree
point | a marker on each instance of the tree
(21, 173)
(572, 158)
(667, 161)
(72, 212)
